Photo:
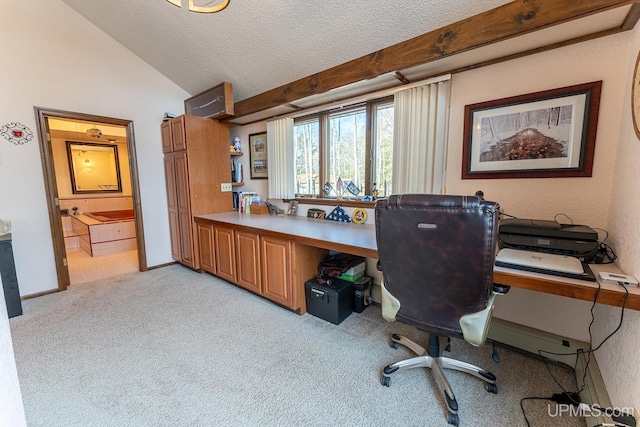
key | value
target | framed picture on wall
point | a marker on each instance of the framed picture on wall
(538, 135)
(258, 155)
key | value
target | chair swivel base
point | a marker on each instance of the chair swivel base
(436, 364)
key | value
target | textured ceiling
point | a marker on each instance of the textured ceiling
(258, 45)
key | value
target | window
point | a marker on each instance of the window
(345, 152)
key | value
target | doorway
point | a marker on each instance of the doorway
(60, 203)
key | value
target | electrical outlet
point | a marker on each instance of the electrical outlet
(225, 186)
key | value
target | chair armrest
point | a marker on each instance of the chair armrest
(500, 289)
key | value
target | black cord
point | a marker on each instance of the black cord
(522, 407)
(591, 349)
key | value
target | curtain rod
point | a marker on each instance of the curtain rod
(361, 98)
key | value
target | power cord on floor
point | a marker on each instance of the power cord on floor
(573, 398)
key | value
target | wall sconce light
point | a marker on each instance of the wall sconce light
(201, 9)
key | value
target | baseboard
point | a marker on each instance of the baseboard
(532, 340)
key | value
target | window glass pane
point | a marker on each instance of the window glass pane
(383, 143)
(346, 152)
(306, 140)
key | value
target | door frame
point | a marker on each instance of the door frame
(51, 187)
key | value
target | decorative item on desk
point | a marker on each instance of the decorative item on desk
(293, 208)
(338, 214)
(75, 210)
(359, 216)
(259, 208)
(273, 209)
(316, 213)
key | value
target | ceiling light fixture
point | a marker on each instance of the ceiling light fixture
(94, 132)
(208, 9)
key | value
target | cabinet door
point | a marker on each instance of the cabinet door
(248, 260)
(225, 253)
(184, 210)
(207, 247)
(167, 137)
(178, 133)
(172, 204)
(276, 270)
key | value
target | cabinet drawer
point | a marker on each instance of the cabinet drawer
(113, 231)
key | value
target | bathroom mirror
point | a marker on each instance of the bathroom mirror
(94, 167)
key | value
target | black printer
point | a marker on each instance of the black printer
(579, 241)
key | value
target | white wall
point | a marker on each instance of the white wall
(11, 406)
(585, 200)
(619, 358)
(56, 59)
(610, 199)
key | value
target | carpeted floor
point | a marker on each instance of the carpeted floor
(84, 268)
(172, 347)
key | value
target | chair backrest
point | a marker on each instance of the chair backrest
(437, 254)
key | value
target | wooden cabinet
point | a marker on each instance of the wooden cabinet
(276, 269)
(225, 254)
(207, 247)
(196, 163)
(248, 260)
(265, 264)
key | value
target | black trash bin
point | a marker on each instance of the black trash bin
(362, 293)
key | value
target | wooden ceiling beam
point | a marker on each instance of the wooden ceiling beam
(510, 20)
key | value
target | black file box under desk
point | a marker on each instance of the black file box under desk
(332, 302)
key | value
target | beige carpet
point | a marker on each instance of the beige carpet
(172, 347)
(84, 268)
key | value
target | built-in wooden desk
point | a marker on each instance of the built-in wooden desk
(361, 240)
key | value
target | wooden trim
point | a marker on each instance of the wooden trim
(51, 188)
(40, 294)
(502, 23)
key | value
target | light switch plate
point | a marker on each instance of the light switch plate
(226, 186)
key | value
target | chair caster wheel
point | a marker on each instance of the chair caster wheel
(453, 419)
(393, 344)
(385, 381)
(491, 388)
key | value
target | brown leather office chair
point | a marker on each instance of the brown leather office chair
(436, 254)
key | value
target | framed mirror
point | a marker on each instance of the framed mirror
(94, 167)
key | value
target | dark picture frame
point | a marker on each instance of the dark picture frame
(546, 134)
(258, 155)
(94, 168)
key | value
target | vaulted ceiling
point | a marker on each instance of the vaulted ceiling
(259, 45)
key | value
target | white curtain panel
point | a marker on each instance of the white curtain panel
(420, 138)
(280, 159)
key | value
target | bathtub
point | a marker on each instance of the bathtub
(110, 216)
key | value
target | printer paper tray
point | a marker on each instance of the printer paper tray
(587, 275)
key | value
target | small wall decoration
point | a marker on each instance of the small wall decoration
(538, 135)
(16, 133)
(258, 155)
